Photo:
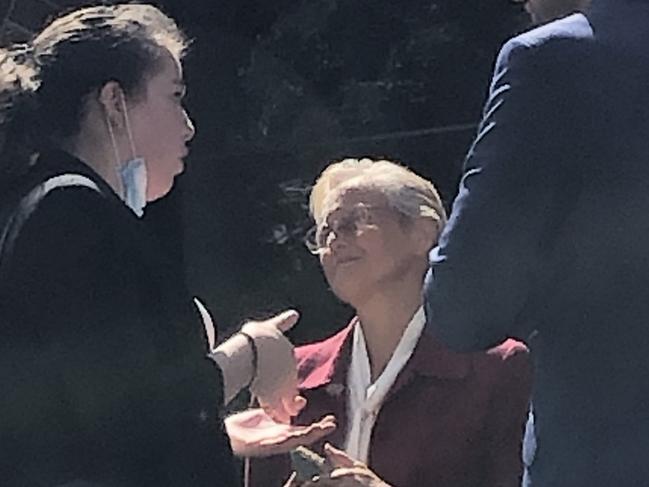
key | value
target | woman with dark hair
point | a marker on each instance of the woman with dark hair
(106, 375)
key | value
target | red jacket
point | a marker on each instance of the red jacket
(449, 420)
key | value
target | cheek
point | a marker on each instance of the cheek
(327, 267)
(146, 143)
(157, 130)
(385, 257)
(375, 249)
(145, 127)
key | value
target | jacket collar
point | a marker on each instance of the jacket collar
(622, 22)
(326, 363)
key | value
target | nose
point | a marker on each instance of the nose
(336, 240)
(190, 129)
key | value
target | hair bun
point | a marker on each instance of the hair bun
(24, 54)
(18, 73)
(19, 80)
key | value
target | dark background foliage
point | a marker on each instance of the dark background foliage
(278, 89)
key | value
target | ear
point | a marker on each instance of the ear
(110, 100)
(425, 233)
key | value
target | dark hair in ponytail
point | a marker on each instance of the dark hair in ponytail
(18, 84)
(44, 85)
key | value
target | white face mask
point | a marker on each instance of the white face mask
(134, 178)
(133, 173)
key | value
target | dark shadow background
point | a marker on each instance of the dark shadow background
(277, 89)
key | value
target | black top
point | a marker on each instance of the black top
(102, 355)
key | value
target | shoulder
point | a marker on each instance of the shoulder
(575, 27)
(62, 188)
(59, 219)
(63, 207)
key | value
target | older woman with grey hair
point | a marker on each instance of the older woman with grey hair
(410, 410)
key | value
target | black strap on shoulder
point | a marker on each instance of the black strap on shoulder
(21, 201)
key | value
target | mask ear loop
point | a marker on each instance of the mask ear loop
(113, 141)
(127, 124)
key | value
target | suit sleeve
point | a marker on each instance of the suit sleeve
(482, 272)
(90, 395)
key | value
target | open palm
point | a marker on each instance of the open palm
(253, 433)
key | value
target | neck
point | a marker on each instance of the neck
(385, 316)
(95, 154)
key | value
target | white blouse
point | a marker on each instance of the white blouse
(364, 398)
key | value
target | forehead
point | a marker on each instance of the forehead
(345, 198)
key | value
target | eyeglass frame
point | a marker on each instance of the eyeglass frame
(354, 225)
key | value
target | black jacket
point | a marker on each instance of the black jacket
(102, 355)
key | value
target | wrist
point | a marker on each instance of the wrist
(254, 357)
(234, 358)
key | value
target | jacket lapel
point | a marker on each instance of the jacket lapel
(431, 359)
(322, 370)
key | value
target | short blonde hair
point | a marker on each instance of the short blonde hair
(406, 192)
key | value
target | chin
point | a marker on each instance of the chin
(158, 190)
(180, 167)
(349, 292)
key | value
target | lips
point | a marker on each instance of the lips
(180, 167)
(346, 260)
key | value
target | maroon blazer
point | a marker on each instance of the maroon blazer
(449, 420)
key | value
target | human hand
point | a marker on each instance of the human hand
(255, 434)
(347, 472)
(275, 383)
(274, 372)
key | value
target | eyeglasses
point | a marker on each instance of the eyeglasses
(343, 223)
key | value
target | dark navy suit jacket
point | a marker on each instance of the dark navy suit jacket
(548, 240)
